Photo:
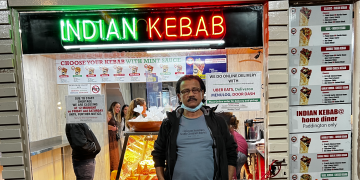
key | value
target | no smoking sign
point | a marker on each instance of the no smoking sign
(95, 89)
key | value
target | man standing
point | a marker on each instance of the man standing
(193, 140)
(85, 148)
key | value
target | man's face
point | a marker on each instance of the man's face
(190, 93)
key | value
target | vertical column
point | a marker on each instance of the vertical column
(13, 128)
(277, 96)
(320, 78)
(356, 89)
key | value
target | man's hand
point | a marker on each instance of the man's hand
(160, 173)
(231, 170)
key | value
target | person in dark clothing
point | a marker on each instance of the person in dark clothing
(194, 142)
(85, 147)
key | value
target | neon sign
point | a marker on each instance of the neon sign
(128, 29)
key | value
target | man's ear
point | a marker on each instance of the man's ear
(178, 95)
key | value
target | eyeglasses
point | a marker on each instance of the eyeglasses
(187, 91)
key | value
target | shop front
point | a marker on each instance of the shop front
(76, 62)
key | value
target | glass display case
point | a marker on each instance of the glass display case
(136, 162)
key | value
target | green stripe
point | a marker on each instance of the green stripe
(335, 28)
(339, 174)
(233, 101)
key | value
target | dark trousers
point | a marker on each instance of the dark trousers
(84, 169)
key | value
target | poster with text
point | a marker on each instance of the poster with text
(318, 94)
(85, 108)
(320, 75)
(234, 91)
(320, 162)
(119, 70)
(342, 175)
(322, 142)
(320, 15)
(201, 65)
(320, 118)
(320, 55)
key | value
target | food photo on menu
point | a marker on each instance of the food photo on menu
(305, 76)
(304, 96)
(304, 164)
(305, 34)
(305, 55)
(304, 16)
(305, 177)
(304, 144)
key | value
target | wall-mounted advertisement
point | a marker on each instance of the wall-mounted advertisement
(234, 91)
(201, 65)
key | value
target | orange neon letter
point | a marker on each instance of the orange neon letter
(167, 27)
(153, 27)
(203, 23)
(186, 26)
(218, 24)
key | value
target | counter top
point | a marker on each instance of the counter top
(129, 133)
(45, 145)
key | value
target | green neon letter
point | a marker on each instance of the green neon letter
(76, 32)
(102, 29)
(126, 25)
(113, 25)
(62, 24)
(86, 31)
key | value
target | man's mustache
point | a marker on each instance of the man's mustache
(191, 98)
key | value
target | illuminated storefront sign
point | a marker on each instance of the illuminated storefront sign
(126, 28)
(142, 29)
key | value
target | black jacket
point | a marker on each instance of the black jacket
(82, 140)
(224, 146)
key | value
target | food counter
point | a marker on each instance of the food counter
(136, 162)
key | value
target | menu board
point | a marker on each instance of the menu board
(126, 70)
(315, 94)
(320, 55)
(320, 15)
(323, 142)
(320, 75)
(343, 175)
(320, 162)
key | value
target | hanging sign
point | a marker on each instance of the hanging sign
(234, 91)
(85, 108)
